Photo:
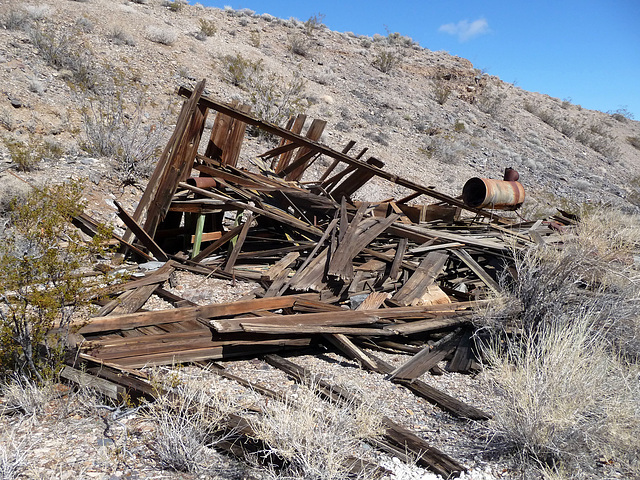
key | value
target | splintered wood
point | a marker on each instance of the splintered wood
(353, 276)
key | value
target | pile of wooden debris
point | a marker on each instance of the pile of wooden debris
(354, 276)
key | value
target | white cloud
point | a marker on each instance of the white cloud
(465, 30)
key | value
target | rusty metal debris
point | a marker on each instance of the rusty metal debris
(353, 276)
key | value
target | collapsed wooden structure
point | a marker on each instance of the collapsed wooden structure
(353, 276)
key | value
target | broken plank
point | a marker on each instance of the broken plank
(478, 270)
(141, 234)
(427, 358)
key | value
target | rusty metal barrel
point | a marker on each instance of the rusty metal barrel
(498, 194)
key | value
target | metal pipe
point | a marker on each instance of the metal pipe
(496, 194)
(202, 182)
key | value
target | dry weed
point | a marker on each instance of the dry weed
(315, 438)
(569, 395)
(188, 422)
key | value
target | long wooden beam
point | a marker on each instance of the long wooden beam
(305, 142)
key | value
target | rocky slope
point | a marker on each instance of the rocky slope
(431, 117)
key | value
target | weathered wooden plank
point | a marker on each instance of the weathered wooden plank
(226, 237)
(85, 380)
(478, 270)
(435, 396)
(430, 324)
(141, 234)
(295, 126)
(313, 133)
(427, 358)
(268, 210)
(141, 319)
(425, 275)
(346, 318)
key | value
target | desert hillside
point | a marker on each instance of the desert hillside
(70, 67)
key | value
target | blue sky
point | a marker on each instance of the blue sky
(584, 51)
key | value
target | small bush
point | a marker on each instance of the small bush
(38, 13)
(254, 39)
(313, 23)
(39, 285)
(441, 91)
(299, 44)
(386, 60)
(315, 437)
(13, 456)
(207, 27)
(176, 5)
(120, 37)
(273, 98)
(118, 124)
(16, 20)
(240, 70)
(63, 50)
(187, 424)
(489, 102)
(622, 114)
(84, 25)
(27, 156)
(634, 142)
(162, 35)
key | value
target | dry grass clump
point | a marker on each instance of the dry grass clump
(315, 438)
(20, 394)
(566, 401)
(567, 378)
(162, 35)
(188, 423)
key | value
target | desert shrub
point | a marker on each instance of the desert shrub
(489, 102)
(40, 288)
(84, 25)
(313, 23)
(530, 107)
(62, 50)
(441, 91)
(315, 437)
(254, 39)
(386, 59)
(28, 155)
(240, 70)
(459, 126)
(119, 36)
(15, 20)
(188, 421)
(161, 35)
(272, 98)
(275, 99)
(12, 192)
(37, 13)
(567, 397)
(175, 6)
(299, 44)
(23, 155)
(118, 124)
(622, 114)
(207, 28)
(565, 401)
(395, 38)
(13, 455)
(634, 142)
